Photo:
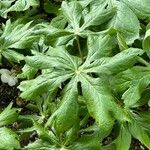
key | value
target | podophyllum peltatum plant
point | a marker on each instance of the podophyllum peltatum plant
(86, 72)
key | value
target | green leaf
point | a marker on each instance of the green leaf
(122, 81)
(47, 82)
(59, 22)
(67, 114)
(123, 141)
(133, 94)
(45, 134)
(99, 46)
(16, 35)
(140, 8)
(50, 7)
(27, 72)
(146, 43)
(8, 139)
(121, 42)
(72, 11)
(62, 66)
(39, 144)
(125, 22)
(143, 119)
(72, 134)
(56, 57)
(84, 3)
(139, 133)
(115, 64)
(13, 56)
(87, 142)
(4, 5)
(21, 5)
(98, 15)
(8, 115)
(52, 33)
(100, 102)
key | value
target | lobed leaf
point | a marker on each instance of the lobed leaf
(125, 22)
(69, 106)
(140, 8)
(100, 102)
(8, 139)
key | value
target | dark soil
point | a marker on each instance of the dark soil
(136, 145)
(7, 94)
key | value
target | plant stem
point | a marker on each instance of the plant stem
(142, 61)
(79, 48)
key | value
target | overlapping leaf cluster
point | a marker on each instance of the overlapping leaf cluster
(86, 73)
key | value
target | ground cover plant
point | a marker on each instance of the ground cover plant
(75, 74)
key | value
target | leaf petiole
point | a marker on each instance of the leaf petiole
(79, 48)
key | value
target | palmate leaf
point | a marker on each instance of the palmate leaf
(63, 66)
(102, 15)
(125, 22)
(140, 8)
(78, 101)
(80, 19)
(72, 12)
(99, 99)
(16, 35)
(98, 15)
(19, 5)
